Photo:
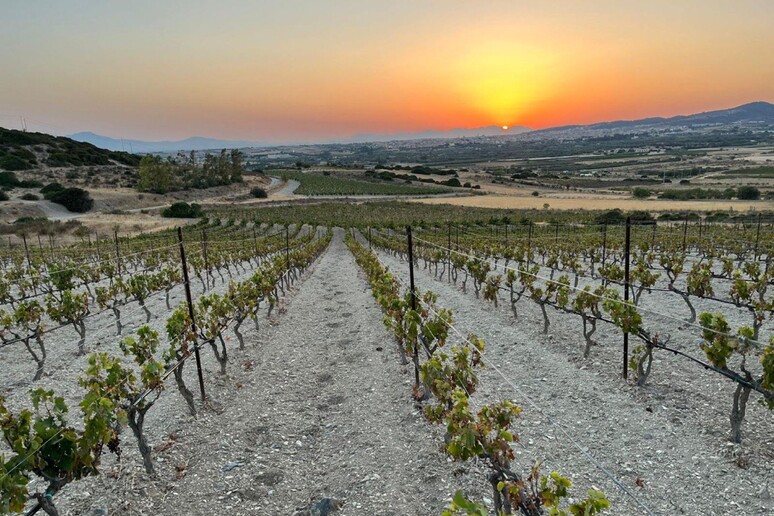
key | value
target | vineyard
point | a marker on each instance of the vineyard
(319, 184)
(362, 361)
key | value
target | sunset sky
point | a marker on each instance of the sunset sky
(316, 70)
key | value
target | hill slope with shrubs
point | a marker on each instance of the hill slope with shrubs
(20, 150)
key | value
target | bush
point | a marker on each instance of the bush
(3, 196)
(10, 162)
(259, 193)
(183, 210)
(8, 179)
(535, 194)
(30, 197)
(452, 182)
(641, 193)
(51, 189)
(611, 217)
(748, 193)
(76, 200)
(685, 182)
(642, 218)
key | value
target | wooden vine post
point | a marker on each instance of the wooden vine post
(627, 249)
(448, 255)
(413, 301)
(206, 261)
(187, 283)
(118, 252)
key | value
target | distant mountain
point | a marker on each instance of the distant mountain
(200, 143)
(761, 113)
(193, 143)
(492, 130)
(752, 113)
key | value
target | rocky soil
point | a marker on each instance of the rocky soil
(666, 443)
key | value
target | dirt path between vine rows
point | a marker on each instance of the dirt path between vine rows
(669, 462)
(323, 417)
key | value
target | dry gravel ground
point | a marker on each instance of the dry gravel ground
(671, 436)
(315, 410)
(326, 414)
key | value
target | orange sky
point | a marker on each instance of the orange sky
(312, 71)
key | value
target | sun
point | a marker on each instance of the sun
(505, 128)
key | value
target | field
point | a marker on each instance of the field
(302, 377)
(319, 184)
(589, 202)
(290, 306)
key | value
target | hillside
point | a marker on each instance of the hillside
(197, 143)
(759, 113)
(21, 150)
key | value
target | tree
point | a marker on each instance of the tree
(155, 175)
(748, 193)
(237, 166)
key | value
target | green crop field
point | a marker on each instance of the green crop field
(319, 184)
(759, 172)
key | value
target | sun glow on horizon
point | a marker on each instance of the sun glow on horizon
(507, 79)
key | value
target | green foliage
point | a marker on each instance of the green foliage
(258, 193)
(51, 189)
(641, 193)
(11, 162)
(624, 315)
(43, 443)
(76, 200)
(461, 506)
(162, 176)
(748, 193)
(610, 217)
(318, 184)
(183, 210)
(697, 193)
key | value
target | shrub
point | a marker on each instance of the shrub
(452, 182)
(535, 194)
(748, 193)
(10, 162)
(183, 210)
(3, 196)
(30, 197)
(51, 189)
(259, 193)
(611, 217)
(74, 199)
(9, 179)
(685, 182)
(642, 218)
(641, 193)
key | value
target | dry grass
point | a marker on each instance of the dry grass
(579, 201)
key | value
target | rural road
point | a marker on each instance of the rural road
(289, 188)
(55, 211)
